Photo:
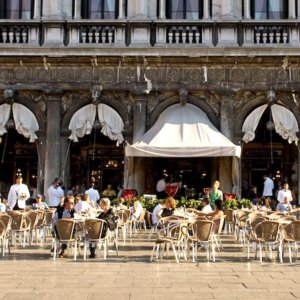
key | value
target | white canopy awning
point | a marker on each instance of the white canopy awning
(285, 123)
(111, 123)
(183, 131)
(25, 121)
(4, 116)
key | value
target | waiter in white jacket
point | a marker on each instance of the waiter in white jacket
(18, 194)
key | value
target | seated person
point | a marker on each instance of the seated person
(155, 217)
(109, 192)
(64, 212)
(266, 204)
(168, 207)
(121, 204)
(39, 203)
(136, 209)
(88, 200)
(284, 207)
(2, 205)
(109, 215)
(216, 214)
(81, 205)
(206, 206)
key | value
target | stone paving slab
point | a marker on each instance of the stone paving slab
(31, 273)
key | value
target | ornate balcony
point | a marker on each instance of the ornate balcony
(12, 32)
(150, 33)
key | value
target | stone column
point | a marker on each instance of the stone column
(247, 9)
(65, 159)
(53, 31)
(206, 10)
(67, 9)
(53, 9)
(121, 9)
(52, 154)
(37, 9)
(298, 175)
(41, 143)
(292, 9)
(298, 9)
(231, 9)
(139, 128)
(162, 9)
(77, 9)
(141, 9)
(227, 117)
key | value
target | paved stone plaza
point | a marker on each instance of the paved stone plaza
(31, 273)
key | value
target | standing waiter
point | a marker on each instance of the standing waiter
(18, 194)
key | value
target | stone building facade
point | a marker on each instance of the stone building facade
(139, 57)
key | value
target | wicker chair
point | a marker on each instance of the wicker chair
(174, 236)
(5, 223)
(94, 234)
(291, 237)
(64, 233)
(34, 218)
(229, 220)
(218, 227)
(250, 235)
(162, 223)
(124, 222)
(140, 221)
(48, 222)
(202, 234)
(20, 225)
(266, 234)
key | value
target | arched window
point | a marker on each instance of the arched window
(269, 9)
(184, 9)
(99, 9)
(16, 9)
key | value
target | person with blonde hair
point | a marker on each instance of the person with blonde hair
(109, 215)
(215, 193)
(168, 207)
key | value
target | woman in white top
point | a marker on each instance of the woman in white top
(81, 205)
(284, 193)
(206, 206)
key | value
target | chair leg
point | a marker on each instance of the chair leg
(290, 251)
(75, 249)
(175, 253)
(260, 253)
(151, 257)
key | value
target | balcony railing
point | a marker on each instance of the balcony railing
(157, 33)
(183, 34)
(19, 32)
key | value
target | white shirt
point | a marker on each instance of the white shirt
(93, 194)
(54, 195)
(268, 187)
(137, 210)
(161, 185)
(284, 208)
(284, 193)
(82, 206)
(155, 217)
(20, 193)
(206, 209)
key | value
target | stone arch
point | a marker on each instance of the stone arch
(85, 100)
(251, 105)
(33, 107)
(244, 112)
(192, 100)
